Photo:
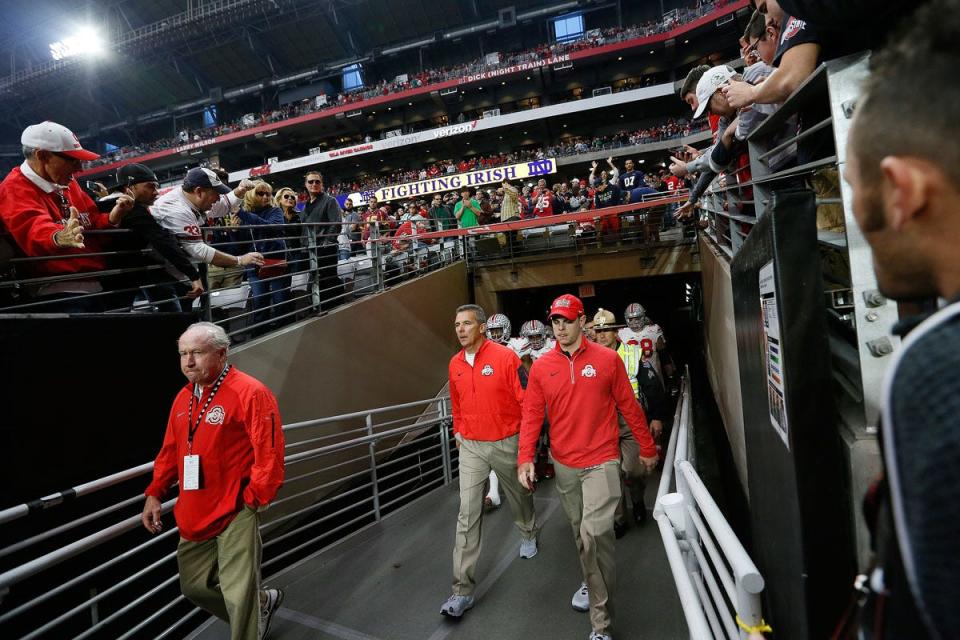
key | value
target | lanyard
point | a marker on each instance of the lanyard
(191, 426)
(64, 205)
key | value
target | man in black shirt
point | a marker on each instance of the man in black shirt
(141, 184)
(323, 208)
(903, 165)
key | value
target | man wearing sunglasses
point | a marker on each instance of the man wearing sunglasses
(322, 210)
(46, 213)
(582, 385)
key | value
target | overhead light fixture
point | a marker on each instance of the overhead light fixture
(270, 134)
(619, 58)
(686, 42)
(410, 104)
(87, 41)
(651, 50)
(528, 77)
(504, 82)
(641, 161)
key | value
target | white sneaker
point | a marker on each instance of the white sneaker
(596, 635)
(581, 599)
(456, 606)
(268, 608)
(528, 548)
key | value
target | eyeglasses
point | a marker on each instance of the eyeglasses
(264, 193)
(64, 156)
(752, 48)
(288, 196)
(314, 181)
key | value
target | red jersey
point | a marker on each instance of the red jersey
(32, 217)
(486, 398)
(673, 182)
(240, 444)
(542, 203)
(581, 394)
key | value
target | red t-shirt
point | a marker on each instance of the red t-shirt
(542, 203)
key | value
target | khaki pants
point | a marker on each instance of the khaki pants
(589, 497)
(477, 459)
(222, 575)
(223, 277)
(630, 467)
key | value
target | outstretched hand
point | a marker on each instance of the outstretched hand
(72, 233)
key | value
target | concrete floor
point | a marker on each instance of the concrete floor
(388, 582)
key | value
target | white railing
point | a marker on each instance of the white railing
(718, 584)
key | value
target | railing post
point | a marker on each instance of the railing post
(445, 444)
(314, 268)
(372, 446)
(205, 309)
(378, 266)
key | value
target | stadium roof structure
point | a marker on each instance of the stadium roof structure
(161, 53)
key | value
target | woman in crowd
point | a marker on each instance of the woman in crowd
(266, 288)
(297, 259)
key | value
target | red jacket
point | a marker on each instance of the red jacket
(581, 394)
(32, 217)
(486, 397)
(240, 444)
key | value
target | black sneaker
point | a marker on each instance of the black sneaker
(640, 513)
(619, 529)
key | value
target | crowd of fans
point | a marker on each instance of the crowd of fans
(672, 128)
(591, 39)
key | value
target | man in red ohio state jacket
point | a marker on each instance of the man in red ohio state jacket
(485, 395)
(46, 213)
(224, 444)
(582, 385)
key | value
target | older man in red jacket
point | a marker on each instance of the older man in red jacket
(46, 213)
(486, 395)
(582, 385)
(224, 444)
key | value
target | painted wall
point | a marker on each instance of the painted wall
(720, 339)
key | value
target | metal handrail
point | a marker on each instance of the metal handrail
(397, 490)
(690, 523)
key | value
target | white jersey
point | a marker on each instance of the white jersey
(522, 347)
(651, 332)
(176, 214)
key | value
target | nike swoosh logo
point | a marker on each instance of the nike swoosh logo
(553, 373)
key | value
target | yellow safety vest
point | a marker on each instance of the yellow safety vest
(630, 354)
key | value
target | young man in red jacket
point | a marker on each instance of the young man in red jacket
(486, 397)
(224, 444)
(582, 385)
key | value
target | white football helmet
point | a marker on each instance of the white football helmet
(535, 332)
(636, 316)
(498, 328)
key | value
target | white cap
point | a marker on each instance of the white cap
(51, 136)
(713, 79)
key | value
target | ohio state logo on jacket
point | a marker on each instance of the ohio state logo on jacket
(487, 370)
(216, 415)
(589, 372)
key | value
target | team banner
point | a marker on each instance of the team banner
(456, 182)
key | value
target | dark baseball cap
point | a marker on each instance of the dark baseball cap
(135, 173)
(200, 177)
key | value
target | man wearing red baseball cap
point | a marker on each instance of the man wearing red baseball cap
(46, 213)
(582, 385)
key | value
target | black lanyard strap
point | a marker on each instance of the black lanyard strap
(193, 426)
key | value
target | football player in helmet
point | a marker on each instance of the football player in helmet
(639, 327)
(498, 328)
(535, 334)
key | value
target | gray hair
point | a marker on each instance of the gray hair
(216, 335)
(28, 152)
(477, 310)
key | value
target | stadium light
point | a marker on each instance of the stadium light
(85, 42)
